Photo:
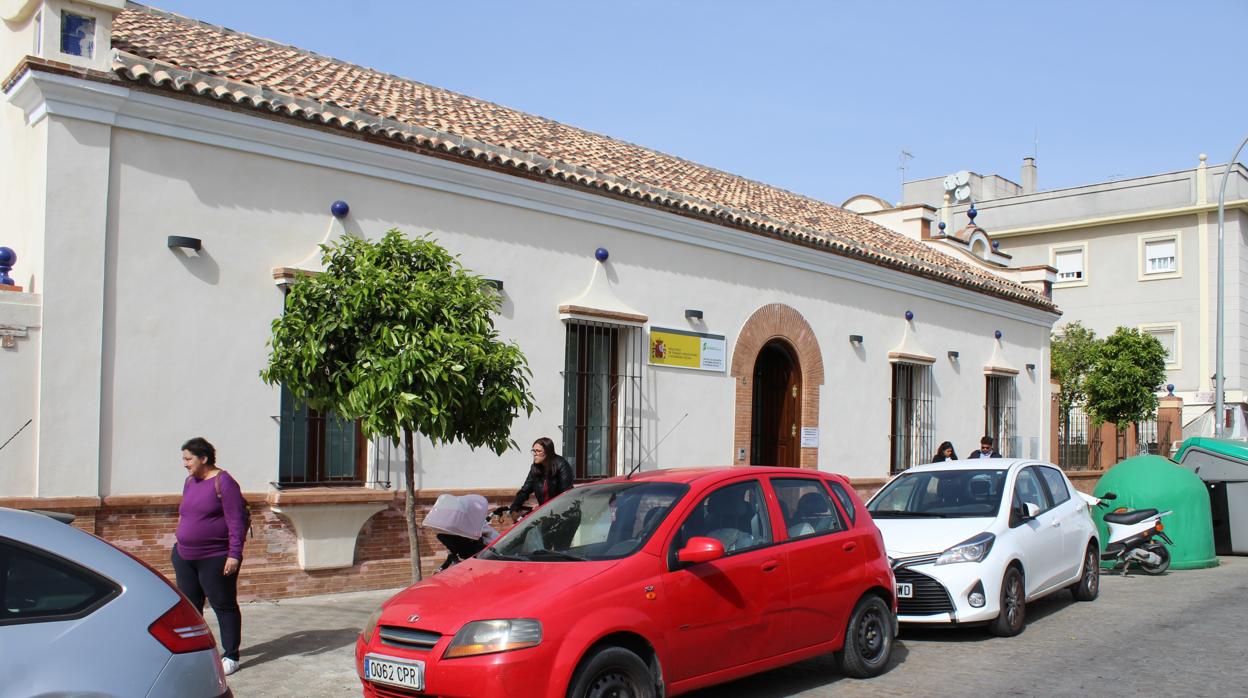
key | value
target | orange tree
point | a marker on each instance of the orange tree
(398, 335)
(1121, 385)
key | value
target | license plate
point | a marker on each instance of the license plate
(396, 672)
(905, 590)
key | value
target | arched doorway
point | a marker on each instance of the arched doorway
(776, 409)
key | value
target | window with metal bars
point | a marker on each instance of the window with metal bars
(602, 398)
(1000, 420)
(911, 407)
(318, 448)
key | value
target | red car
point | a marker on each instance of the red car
(651, 585)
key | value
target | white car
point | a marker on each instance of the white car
(973, 541)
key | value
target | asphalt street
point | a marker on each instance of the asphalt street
(1177, 634)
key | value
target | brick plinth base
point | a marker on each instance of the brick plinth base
(144, 526)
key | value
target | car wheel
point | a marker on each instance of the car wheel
(1161, 567)
(612, 672)
(868, 639)
(1013, 605)
(1089, 585)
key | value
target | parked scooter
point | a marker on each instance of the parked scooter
(1132, 537)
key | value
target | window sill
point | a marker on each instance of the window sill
(303, 496)
(327, 521)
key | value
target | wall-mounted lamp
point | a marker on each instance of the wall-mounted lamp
(1031, 367)
(855, 339)
(496, 283)
(691, 314)
(953, 355)
(184, 242)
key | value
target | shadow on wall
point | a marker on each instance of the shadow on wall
(200, 263)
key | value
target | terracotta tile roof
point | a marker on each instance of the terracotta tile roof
(167, 51)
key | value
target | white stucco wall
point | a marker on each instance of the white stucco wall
(183, 337)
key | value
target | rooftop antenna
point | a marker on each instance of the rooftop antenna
(1035, 144)
(903, 161)
(650, 450)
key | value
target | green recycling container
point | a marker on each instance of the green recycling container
(1153, 482)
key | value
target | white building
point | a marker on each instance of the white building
(845, 346)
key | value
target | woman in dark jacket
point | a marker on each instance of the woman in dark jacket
(944, 453)
(550, 475)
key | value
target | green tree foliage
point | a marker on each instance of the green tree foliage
(1121, 386)
(1074, 352)
(397, 334)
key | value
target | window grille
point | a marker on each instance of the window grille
(1072, 439)
(318, 448)
(602, 395)
(1000, 421)
(911, 407)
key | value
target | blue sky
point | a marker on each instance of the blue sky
(821, 97)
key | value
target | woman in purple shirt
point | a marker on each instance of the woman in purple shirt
(212, 523)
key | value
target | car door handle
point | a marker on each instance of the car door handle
(770, 565)
(1057, 524)
(850, 547)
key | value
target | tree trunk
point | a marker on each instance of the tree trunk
(409, 507)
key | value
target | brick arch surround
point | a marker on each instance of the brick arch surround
(776, 321)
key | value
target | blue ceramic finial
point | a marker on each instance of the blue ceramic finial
(7, 259)
(601, 254)
(339, 208)
(996, 245)
(1170, 389)
(971, 213)
(941, 225)
(997, 334)
(909, 316)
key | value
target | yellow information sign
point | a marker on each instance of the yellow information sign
(685, 349)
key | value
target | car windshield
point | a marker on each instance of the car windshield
(940, 494)
(596, 522)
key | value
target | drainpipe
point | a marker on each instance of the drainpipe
(1219, 423)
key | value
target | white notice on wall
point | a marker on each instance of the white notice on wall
(810, 437)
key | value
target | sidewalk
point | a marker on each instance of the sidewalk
(303, 647)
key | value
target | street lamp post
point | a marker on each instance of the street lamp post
(1219, 428)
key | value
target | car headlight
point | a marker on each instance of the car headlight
(973, 549)
(370, 625)
(489, 636)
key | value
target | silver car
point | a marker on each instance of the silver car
(80, 617)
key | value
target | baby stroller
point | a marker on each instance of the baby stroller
(462, 524)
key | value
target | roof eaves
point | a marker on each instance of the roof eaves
(164, 75)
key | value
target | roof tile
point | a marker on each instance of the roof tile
(173, 52)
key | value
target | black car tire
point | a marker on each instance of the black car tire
(1089, 585)
(612, 671)
(1013, 614)
(868, 639)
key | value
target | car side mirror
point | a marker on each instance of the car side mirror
(700, 549)
(1026, 511)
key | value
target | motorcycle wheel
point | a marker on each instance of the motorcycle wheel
(1161, 567)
